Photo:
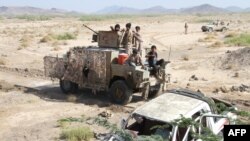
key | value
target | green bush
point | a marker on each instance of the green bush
(34, 17)
(244, 114)
(241, 40)
(77, 134)
(65, 36)
(202, 21)
(104, 17)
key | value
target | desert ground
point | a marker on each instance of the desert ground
(32, 104)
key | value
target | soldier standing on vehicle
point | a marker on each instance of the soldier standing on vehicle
(127, 39)
(137, 38)
(117, 28)
(186, 28)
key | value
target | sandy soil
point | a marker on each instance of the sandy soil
(31, 104)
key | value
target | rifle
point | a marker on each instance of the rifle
(90, 29)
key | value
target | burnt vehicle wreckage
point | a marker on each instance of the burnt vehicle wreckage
(177, 115)
(103, 68)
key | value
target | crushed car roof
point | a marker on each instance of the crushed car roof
(168, 107)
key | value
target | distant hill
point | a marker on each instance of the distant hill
(234, 9)
(32, 11)
(246, 10)
(117, 10)
(204, 9)
(158, 10)
(127, 10)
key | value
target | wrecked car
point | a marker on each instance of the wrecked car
(156, 117)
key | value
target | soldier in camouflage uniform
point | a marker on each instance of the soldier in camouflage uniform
(186, 28)
(117, 28)
(137, 39)
(135, 59)
(127, 39)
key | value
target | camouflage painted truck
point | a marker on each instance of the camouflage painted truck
(97, 68)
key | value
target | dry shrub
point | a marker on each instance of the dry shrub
(55, 43)
(56, 48)
(231, 35)
(24, 42)
(209, 38)
(185, 57)
(2, 61)
(217, 44)
(47, 38)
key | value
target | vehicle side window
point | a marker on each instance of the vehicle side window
(181, 133)
(196, 115)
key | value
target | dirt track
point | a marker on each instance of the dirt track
(31, 104)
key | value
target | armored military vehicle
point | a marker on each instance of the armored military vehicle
(98, 68)
(215, 26)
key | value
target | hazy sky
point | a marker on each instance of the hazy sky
(95, 5)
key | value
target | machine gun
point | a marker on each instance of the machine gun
(95, 35)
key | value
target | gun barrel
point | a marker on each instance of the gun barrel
(90, 29)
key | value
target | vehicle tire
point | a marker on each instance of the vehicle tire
(120, 93)
(210, 29)
(68, 86)
(155, 91)
(223, 29)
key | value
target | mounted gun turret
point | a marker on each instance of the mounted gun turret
(106, 39)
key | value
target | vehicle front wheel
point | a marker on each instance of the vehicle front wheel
(210, 29)
(120, 93)
(68, 86)
(223, 29)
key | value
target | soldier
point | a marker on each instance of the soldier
(135, 59)
(152, 56)
(127, 39)
(137, 38)
(117, 28)
(153, 62)
(186, 28)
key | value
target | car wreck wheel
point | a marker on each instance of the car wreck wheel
(68, 86)
(120, 93)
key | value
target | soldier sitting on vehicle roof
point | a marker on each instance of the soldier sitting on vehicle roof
(153, 62)
(135, 59)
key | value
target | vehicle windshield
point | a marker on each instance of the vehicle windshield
(144, 127)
